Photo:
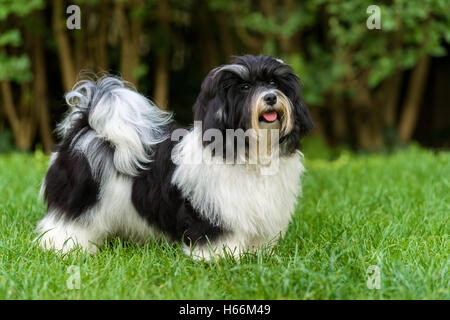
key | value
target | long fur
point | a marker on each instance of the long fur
(119, 171)
(121, 116)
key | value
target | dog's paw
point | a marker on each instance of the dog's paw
(208, 252)
(63, 237)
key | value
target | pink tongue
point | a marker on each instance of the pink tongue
(270, 116)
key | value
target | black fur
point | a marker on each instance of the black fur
(70, 186)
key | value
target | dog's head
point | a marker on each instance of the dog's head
(254, 92)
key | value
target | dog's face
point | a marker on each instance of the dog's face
(255, 92)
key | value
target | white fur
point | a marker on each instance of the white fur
(253, 208)
(231, 243)
(120, 115)
(53, 157)
(100, 162)
(113, 215)
(236, 68)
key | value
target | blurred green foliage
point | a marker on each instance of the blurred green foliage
(14, 66)
(335, 43)
(327, 42)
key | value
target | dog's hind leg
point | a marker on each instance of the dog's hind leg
(71, 193)
(57, 233)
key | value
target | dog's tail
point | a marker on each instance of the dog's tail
(130, 122)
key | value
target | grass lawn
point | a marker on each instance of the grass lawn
(388, 211)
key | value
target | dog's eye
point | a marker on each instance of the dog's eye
(245, 87)
(272, 83)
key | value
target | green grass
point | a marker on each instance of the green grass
(391, 211)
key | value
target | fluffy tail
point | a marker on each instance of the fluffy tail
(119, 115)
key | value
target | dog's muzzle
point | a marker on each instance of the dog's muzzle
(272, 110)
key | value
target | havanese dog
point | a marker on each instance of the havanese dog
(228, 184)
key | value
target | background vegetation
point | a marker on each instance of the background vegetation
(367, 89)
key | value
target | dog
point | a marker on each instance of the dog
(124, 168)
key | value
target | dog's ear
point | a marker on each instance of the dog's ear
(290, 85)
(303, 122)
(302, 117)
(210, 104)
(209, 99)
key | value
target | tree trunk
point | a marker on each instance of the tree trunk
(389, 97)
(161, 91)
(226, 36)
(207, 41)
(339, 122)
(253, 44)
(41, 95)
(416, 87)
(130, 33)
(367, 118)
(286, 42)
(81, 44)
(27, 118)
(63, 45)
(102, 46)
(268, 8)
(22, 122)
(8, 105)
(368, 129)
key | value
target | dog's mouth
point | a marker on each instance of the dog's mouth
(269, 120)
(272, 116)
(269, 117)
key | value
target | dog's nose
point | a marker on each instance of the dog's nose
(270, 99)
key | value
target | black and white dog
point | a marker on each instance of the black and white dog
(124, 169)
